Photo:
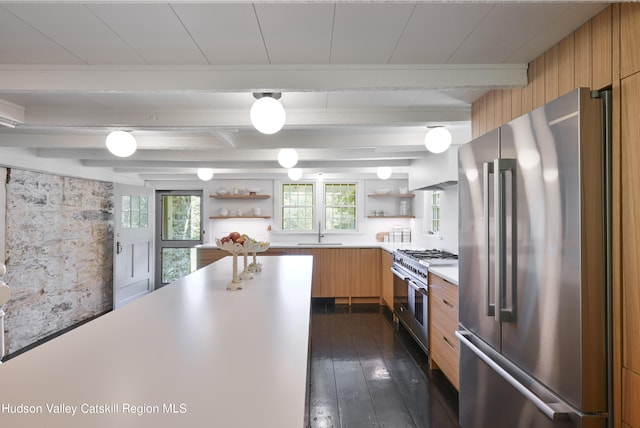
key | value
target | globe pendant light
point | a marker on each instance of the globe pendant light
(295, 174)
(384, 172)
(267, 113)
(205, 174)
(438, 139)
(287, 158)
(121, 144)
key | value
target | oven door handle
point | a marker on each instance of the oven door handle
(417, 287)
(397, 273)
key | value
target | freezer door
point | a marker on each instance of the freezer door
(476, 237)
(557, 278)
(494, 393)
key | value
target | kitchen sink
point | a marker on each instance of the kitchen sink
(321, 244)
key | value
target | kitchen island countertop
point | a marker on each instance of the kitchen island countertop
(190, 354)
(387, 246)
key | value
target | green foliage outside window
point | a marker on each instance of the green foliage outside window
(340, 206)
(297, 206)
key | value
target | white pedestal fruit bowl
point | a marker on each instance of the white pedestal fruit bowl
(241, 244)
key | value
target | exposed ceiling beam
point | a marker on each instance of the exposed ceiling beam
(139, 165)
(208, 120)
(281, 78)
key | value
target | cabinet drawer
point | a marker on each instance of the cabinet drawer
(443, 319)
(444, 290)
(445, 353)
(443, 314)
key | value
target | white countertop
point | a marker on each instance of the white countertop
(218, 358)
(387, 246)
(448, 272)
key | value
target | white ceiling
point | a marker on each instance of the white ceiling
(361, 81)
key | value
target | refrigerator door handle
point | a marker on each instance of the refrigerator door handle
(501, 167)
(553, 411)
(490, 308)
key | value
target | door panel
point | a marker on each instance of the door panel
(487, 400)
(476, 267)
(179, 226)
(133, 255)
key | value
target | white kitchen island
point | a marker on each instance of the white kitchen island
(189, 355)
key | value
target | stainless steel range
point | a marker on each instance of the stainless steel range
(411, 287)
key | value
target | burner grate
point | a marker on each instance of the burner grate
(429, 254)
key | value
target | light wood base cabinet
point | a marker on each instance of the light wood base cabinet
(386, 261)
(341, 273)
(206, 256)
(443, 323)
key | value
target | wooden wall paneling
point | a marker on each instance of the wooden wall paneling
(630, 141)
(551, 74)
(497, 106)
(527, 96)
(475, 114)
(516, 103)
(566, 65)
(616, 249)
(537, 83)
(482, 115)
(629, 39)
(631, 398)
(583, 55)
(491, 111)
(601, 49)
(507, 113)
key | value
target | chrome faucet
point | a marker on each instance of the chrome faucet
(320, 234)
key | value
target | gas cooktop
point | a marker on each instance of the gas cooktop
(429, 254)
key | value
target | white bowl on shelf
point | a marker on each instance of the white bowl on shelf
(382, 191)
(222, 192)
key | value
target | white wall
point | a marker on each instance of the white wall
(447, 239)
(257, 228)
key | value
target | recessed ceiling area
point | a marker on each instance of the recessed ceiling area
(360, 81)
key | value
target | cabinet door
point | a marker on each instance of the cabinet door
(333, 273)
(386, 278)
(364, 272)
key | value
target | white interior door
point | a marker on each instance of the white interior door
(133, 244)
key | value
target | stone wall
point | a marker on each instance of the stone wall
(59, 243)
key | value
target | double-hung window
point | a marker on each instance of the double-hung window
(435, 212)
(340, 206)
(298, 206)
(306, 204)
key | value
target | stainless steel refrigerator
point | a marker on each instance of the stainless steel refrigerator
(533, 256)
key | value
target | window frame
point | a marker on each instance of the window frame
(433, 208)
(281, 206)
(355, 205)
(318, 208)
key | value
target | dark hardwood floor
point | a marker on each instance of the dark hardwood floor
(366, 372)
